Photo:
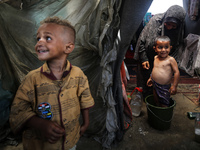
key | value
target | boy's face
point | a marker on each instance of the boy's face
(52, 43)
(162, 48)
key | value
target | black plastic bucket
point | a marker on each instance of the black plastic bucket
(159, 117)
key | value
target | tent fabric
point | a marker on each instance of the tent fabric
(5, 101)
(191, 64)
(191, 26)
(103, 36)
(193, 9)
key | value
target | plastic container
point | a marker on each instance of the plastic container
(159, 117)
(136, 102)
(197, 128)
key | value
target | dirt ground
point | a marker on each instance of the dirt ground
(141, 136)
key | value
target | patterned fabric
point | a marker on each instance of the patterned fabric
(162, 92)
(146, 18)
(56, 100)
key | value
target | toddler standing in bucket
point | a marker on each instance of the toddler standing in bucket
(164, 68)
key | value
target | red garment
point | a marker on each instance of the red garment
(127, 108)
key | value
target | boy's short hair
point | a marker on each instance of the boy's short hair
(59, 21)
(162, 38)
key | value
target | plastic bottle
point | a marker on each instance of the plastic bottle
(136, 102)
(197, 128)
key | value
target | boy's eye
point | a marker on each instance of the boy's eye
(38, 38)
(166, 47)
(48, 38)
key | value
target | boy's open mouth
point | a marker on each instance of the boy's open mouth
(42, 51)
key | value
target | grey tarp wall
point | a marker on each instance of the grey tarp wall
(192, 24)
(104, 31)
(191, 64)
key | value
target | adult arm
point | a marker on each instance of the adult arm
(141, 46)
(140, 51)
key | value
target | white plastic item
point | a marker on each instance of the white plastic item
(197, 128)
(136, 103)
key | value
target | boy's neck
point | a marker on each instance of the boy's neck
(57, 68)
(162, 58)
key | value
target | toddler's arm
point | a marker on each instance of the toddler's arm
(174, 65)
(85, 115)
(49, 129)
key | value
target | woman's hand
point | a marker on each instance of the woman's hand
(146, 65)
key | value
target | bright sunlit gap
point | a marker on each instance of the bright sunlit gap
(160, 6)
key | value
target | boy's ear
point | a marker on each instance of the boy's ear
(69, 48)
(170, 47)
(154, 48)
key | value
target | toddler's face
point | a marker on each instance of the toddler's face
(162, 48)
(50, 44)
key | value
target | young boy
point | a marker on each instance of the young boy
(164, 68)
(48, 102)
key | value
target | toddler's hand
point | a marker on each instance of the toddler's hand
(172, 90)
(149, 82)
(146, 65)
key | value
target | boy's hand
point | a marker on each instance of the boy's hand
(50, 130)
(146, 65)
(172, 90)
(149, 82)
(83, 129)
(84, 126)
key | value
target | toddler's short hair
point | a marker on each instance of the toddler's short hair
(162, 38)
